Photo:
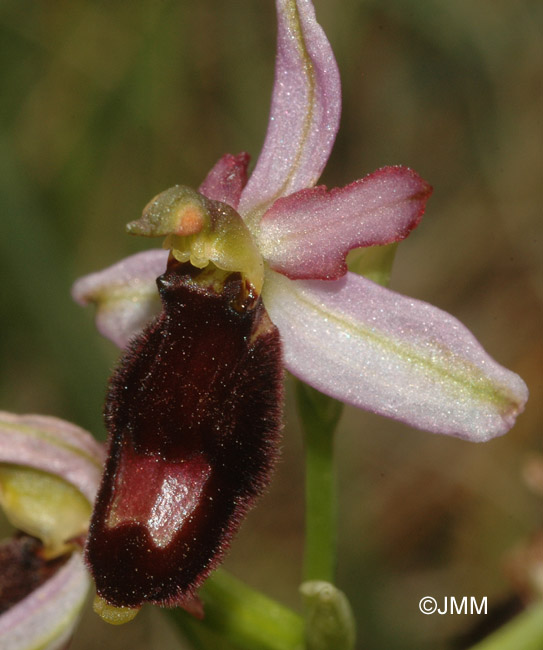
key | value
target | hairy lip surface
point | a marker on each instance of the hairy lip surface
(193, 413)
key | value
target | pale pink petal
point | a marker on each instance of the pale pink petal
(46, 618)
(305, 111)
(227, 179)
(309, 233)
(392, 355)
(125, 294)
(54, 446)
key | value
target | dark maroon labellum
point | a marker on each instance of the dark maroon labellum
(193, 414)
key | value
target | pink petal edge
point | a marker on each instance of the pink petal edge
(46, 618)
(308, 234)
(52, 445)
(305, 111)
(125, 294)
(393, 355)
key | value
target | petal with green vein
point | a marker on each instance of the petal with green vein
(393, 355)
(305, 111)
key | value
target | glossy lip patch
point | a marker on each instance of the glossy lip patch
(160, 495)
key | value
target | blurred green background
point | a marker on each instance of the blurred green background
(104, 104)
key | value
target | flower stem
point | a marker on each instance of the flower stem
(241, 616)
(319, 415)
(524, 632)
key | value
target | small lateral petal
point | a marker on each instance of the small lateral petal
(309, 233)
(393, 355)
(227, 179)
(305, 111)
(125, 294)
(46, 618)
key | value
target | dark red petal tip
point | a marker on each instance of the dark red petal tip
(226, 180)
(193, 412)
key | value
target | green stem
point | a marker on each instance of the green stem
(320, 518)
(242, 617)
(524, 632)
(319, 416)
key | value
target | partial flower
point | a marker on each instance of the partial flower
(350, 338)
(49, 474)
(257, 264)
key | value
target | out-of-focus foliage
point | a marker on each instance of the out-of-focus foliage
(105, 104)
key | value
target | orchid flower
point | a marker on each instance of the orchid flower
(350, 338)
(254, 266)
(49, 473)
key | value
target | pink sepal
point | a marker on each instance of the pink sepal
(393, 355)
(46, 618)
(305, 111)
